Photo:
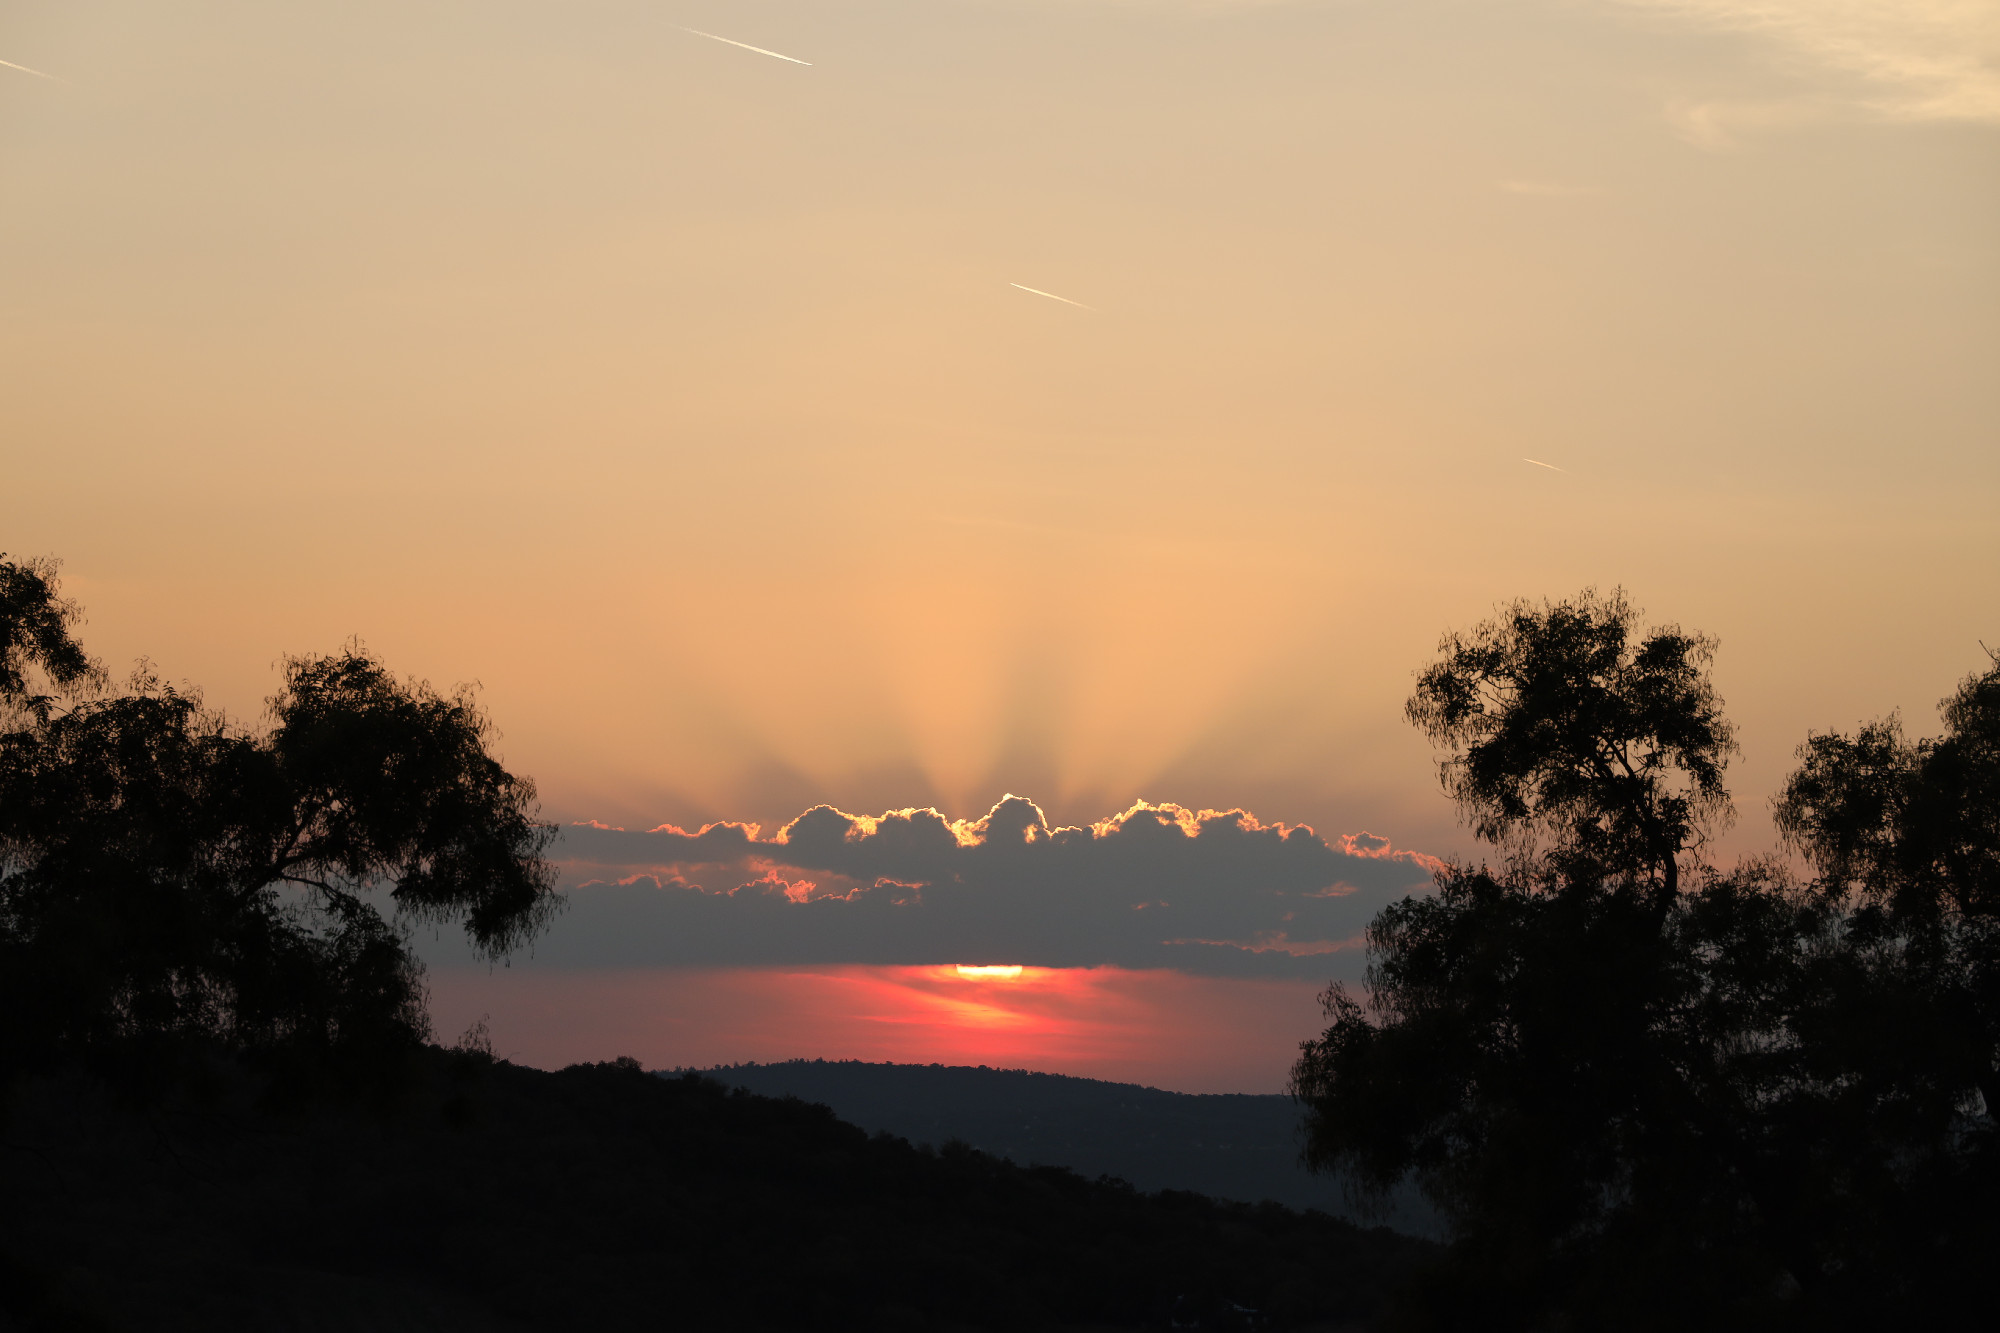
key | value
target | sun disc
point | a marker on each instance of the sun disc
(989, 972)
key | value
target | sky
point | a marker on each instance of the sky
(705, 407)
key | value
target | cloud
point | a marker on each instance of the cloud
(1721, 125)
(1210, 892)
(1923, 59)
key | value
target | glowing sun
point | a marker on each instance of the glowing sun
(989, 973)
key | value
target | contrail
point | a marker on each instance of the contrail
(1550, 466)
(745, 45)
(37, 73)
(1053, 297)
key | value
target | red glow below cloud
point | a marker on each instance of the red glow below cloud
(1164, 1029)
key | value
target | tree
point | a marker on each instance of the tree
(173, 884)
(1910, 827)
(1530, 1056)
(1563, 727)
(1644, 1091)
(1905, 837)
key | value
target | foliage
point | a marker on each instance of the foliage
(1905, 836)
(171, 883)
(1911, 827)
(602, 1197)
(1743, 1104)
(36, 647)
(1561, 721)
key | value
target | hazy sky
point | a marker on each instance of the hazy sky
(684, 396)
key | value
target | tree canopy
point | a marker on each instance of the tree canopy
(1912, 827)
(1561, 720)
(1649, 1092)
(172, 882)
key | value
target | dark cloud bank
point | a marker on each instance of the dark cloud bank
(1158, 886)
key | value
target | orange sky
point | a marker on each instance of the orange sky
(683, 398)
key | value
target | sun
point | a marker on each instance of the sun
(989, 972)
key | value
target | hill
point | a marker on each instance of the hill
(1229, 1146)
(491, 1197)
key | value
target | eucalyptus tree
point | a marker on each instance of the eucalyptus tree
(1904, 837)
(1569, 734)
(173, 884)
(1646, 1091)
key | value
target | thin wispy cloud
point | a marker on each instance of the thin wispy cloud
(1053, 297)
(1550, 466)
(1723, 124)
(37, 73)
(1926, 59)
(745, 45)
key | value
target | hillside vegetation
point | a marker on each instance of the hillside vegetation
(497, 1197)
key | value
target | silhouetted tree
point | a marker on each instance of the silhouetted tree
(171, 883)
(1905, 837)
(1909, 826)
(1644, 1091)
(1568, 733)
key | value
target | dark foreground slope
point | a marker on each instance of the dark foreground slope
(495, 1197)
(1226, 1145)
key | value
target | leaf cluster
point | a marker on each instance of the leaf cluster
(41, 662)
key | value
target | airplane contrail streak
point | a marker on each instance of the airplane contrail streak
(745, 45)
(1053, 297)
(1550, 466)
(37, 73)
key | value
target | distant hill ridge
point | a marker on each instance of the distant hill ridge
(1241, 1146)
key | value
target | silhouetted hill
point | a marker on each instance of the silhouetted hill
(496, 1198)
(1229, 1146)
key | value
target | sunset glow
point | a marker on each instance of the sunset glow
(1164, 1029)
(687, 404)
